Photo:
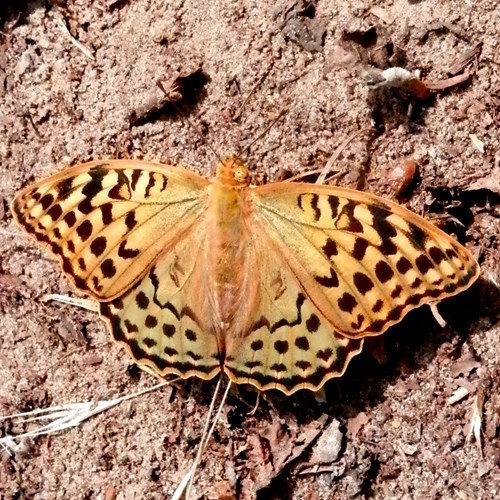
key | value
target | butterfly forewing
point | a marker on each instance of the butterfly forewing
(108, 221)
(362, 260)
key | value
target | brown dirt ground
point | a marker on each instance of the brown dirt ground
(398, 435)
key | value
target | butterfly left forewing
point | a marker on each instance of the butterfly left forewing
(363, 260)
(107, 221)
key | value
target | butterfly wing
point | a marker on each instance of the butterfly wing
(130, 234)
(164, 320)
(108, 221)
(281, 340)
(363, 261)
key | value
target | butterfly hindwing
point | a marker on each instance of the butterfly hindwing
(164, 320)
(284, 341)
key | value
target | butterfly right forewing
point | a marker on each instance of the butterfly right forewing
(363, 260)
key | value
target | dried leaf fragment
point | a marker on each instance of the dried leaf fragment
(184, 89)
(402, 174)
(302, 27)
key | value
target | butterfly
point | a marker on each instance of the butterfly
(274, 285)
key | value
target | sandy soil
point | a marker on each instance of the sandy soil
(385, 429)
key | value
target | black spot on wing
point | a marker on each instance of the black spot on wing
(334, 202)
(136, 175)
(94, 187)
(127, 253)
(387, 247)
(353, 224)
(330, 248)
(149, 342)
(108, 268)
(312, 323)
(331, 281)
(403, 265)
(68, 267)
(190, 335)
(278, 367)
(416, 283)
(70, 219)
(55, 212)
(151, 183)
(151, 321)
(437, 255)
(314, 206)
(131, 327)
(302, 343)
(324, 354)
(257, 345)
(417, 236)
(383, 271)
(424, 264)
(303, 365)
(130, 220)
(347, 302)
(252, 364)
(106, 213)
(380, 223)
(363, 283)
(121, 190)
(47, 201)
(98, 246)
(84, 230)
(359, 250)
(85, 206)
(64, 188)
(142, 300)
(170, 351)
(168, 330)
(281, 346)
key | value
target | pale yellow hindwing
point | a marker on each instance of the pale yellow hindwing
(281, 340)
(164, 321)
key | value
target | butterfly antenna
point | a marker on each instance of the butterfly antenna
(183, 115)
(239, 113)
(264, 132)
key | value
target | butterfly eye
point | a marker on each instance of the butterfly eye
(241, 174)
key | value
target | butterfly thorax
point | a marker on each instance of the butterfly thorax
(228, 207)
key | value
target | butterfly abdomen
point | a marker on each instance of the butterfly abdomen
(227, 247)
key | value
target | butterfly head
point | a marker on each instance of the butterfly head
(231, 171)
